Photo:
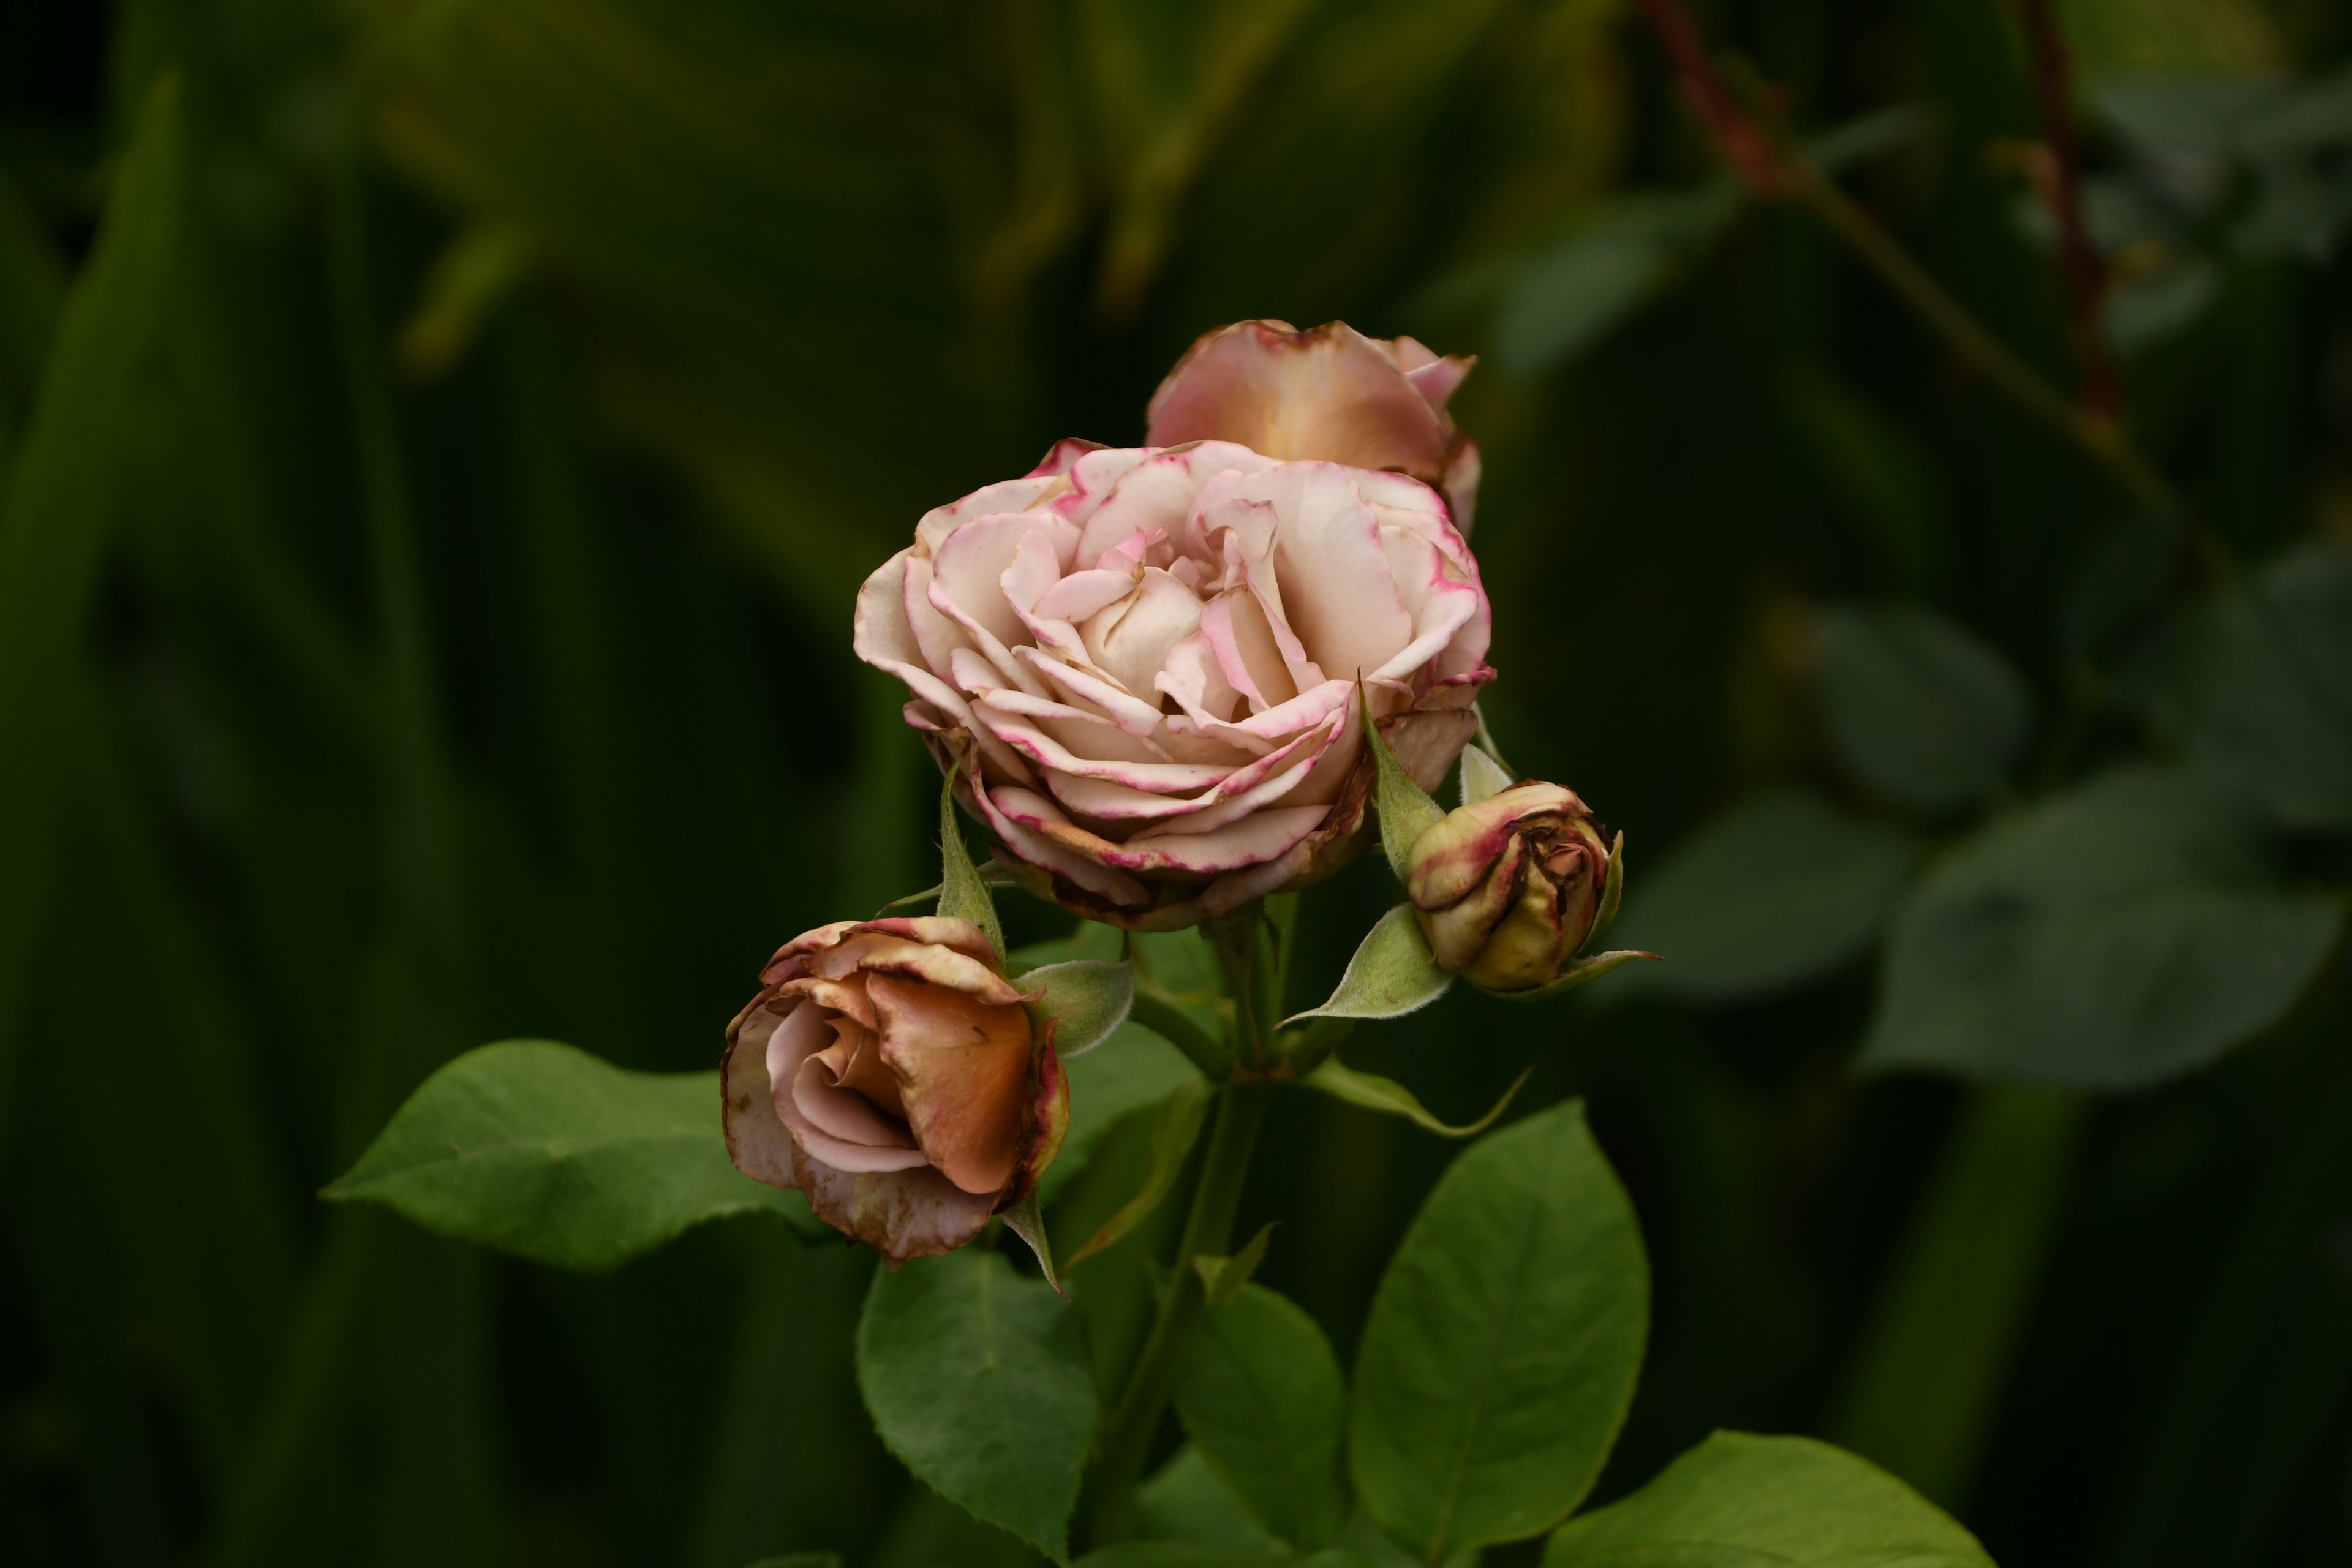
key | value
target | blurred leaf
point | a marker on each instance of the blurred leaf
(58, 510)
(2149, 310)
(1174, 1133)
(1874, 467)
(1932, 1369)
(1502, 1348)
(1772, 894)
(800, 1559)
(2172, 35)
(1134, 1070)
(1926, 713)
(1262, 1397)
(2115, 936)
(1187, 1502)
(2271, 686)
(1085, 1001)
(543, 1150)
(1370, 1091)
(1394, 972)
(1738, 1502)
(1567, 297)
(977, 1380)
(2199, 111)
(32, 296)
(1223, 1279)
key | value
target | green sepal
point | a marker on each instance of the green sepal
(1613, 891)
(1483, 777)
(1486, 738)
(1174, 1132)
(962, 894)
(992, 877)
(1394, 972)
(1404, 808)
(1373, 1093)
(1026, 1220)
(1221, 1278)
(1082, 1001)
(1579, 972)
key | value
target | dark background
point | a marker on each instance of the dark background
(466, 658)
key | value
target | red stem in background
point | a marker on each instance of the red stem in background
(1742, 143)
(2086, 276)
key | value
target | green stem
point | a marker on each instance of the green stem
(1208, 1231)
(1253, 953)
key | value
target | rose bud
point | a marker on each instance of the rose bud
(1507, 889)
(1330, 393)
(1149, 662)
(888, 1071)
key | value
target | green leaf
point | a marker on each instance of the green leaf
(1394, 972)
(2271, 687)
(800, 1559)
(1926, 713)
(1405, 810)
(1085, 1001)
(962, 894)
(1372, 1093)
(1501, 1351)
(1174, 1133)
(1738, 1502)
(1778, 891)
(1262, 1397)
(2115, 936)
(543, 1150)
(977, 1380)
(1136, 1068)
(1221, 1278)
(1483, 777)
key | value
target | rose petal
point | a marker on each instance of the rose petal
(1330, 394)
(964, 1066)
(1129, 640)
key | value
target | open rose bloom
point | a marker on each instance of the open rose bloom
(887, 1071)
(1149, 660)
(1154, 656)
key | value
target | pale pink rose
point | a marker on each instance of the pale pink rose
(1154, 656)
(1329, 393)
(887, 1071)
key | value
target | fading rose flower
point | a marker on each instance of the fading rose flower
(1152, 656)
(888, 1071)
(1507, 889)
(1329, 392)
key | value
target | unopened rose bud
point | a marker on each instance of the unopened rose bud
(890, 1072)
(1507, 889)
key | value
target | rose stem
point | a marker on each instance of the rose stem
(1770, 173)
(2086, 276)
(1254, 981)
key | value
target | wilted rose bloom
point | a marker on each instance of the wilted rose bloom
(888, 1071)
(1154, 654)
(1507, 889)
(1329, 393)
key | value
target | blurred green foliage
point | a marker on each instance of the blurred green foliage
(440, 442)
